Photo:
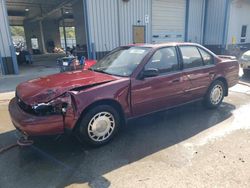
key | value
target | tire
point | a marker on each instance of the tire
(102, 117)
(215, 95)
(246, 72)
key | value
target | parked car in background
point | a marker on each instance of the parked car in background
(88, 63)
(71, 63)
(245, 62)
(129, 82)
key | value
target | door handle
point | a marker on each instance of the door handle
(211, 73)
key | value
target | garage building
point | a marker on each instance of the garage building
(102, 25)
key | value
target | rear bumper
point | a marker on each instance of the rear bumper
(32, 125)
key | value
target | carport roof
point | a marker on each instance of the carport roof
(19, 10)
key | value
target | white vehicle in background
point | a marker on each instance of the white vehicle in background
(245, 62)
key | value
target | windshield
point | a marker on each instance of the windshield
(122, 61)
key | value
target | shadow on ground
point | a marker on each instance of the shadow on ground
(58, 162)
(245, 78)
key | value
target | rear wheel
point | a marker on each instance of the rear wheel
(246, 72)
(99, 125)
(215, 94)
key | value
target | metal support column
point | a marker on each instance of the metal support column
(2, 70)
(42, 36)
(7, 49)
(64, 30)
(88, 33)
(205, 21)
(225, 29)
(187, 20)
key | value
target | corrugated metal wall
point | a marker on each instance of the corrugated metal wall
(196, 21)
(5, 40)
(215, 20)
(132, 13)
(111, 22)
(103, 24)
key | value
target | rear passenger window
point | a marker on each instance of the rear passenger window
(207, 58)
(165, 60)
(191, 57)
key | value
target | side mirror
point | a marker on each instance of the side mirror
(150, 72)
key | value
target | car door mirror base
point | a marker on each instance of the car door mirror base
(150, 73)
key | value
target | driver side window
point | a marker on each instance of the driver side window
(165, 60)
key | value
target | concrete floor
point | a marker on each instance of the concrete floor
(26, 72)
(185, 147)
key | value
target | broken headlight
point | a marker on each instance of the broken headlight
(57, 106)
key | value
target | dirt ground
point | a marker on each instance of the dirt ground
(185, 147)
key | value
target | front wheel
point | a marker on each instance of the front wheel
(99, 125)
(215, 94)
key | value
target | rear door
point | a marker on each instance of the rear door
(198, 66)
(163, 91)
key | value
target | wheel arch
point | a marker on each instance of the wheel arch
(111, 102)
(224, 81)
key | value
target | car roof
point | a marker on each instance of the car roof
(163, 44)
(160, 45)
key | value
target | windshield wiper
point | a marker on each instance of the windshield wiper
(99, 70)
(102, 71)
(92, 69)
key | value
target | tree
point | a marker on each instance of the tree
(17, 31)
(70, 32)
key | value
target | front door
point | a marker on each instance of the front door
(162, 91)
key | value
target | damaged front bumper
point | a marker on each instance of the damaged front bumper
(32, 125)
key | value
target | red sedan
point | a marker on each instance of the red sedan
(129, 82)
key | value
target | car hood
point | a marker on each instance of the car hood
(44, 89)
